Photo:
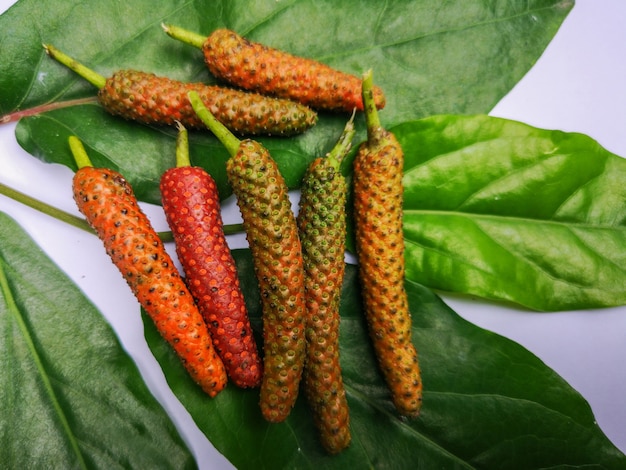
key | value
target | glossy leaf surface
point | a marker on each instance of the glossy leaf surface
(418, 50)
(488, 402)
(503, 210)
(70, 396)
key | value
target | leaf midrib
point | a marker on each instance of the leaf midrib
(56, 405)
(518, 255)
(517, 219)
(352, 391)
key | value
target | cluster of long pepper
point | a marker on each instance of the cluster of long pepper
(298, 260)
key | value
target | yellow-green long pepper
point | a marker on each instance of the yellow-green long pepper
(378, 192)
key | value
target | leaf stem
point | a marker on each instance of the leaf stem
(90, 75)
(229, 229)
(183, 35)
(17, 115)
(82, 160)
(45, 208)
(226, 137)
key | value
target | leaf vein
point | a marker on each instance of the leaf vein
(434, 33)
(273, 14)
(419, 436)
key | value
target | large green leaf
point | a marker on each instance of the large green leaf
(417, 48)
(70, 395)
(500, 209)
(488, 402)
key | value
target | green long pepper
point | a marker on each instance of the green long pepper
(322, 225)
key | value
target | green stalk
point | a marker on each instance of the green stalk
(91, 76)
(371, 112)
(225, 136)
(230, 229)
(78, 151)
(183, 35)
(182, 146)
(344, 144)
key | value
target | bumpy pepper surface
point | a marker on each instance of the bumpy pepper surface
(156, 100)
(192, 207)
(269, 71)
(378, 192)
(151, 99)
(272, 234)
(322, 225)
(110, 207)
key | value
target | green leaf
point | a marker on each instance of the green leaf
(488, 402)
(70, 396)
(417, 48)
(499, 209)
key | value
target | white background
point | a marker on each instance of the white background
(577, 85)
